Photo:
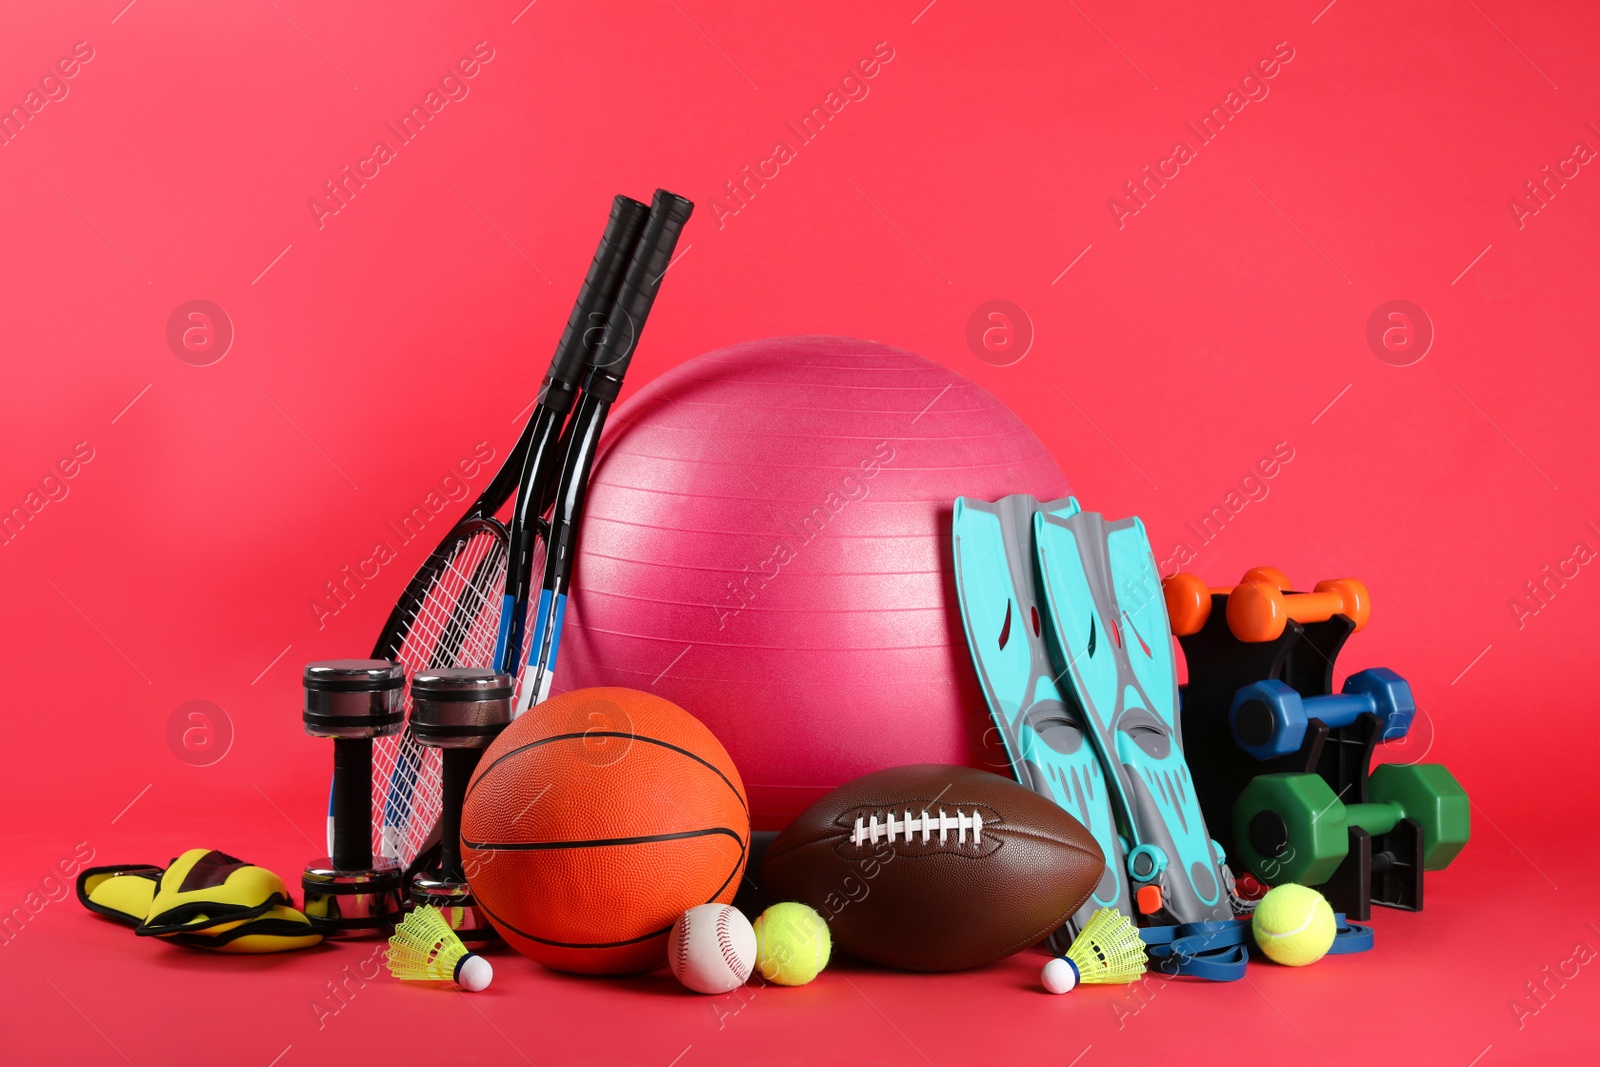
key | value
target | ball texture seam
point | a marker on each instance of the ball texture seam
(484, 772)
(730, 955)
(641, 939)
(681, 934)
(602, 842)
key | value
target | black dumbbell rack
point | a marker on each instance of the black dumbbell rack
(1386, 869)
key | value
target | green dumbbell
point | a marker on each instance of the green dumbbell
(1292, 828)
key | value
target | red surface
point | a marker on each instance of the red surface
(1225, 322)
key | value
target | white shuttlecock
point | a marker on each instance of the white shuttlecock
(425, 948)
(712, 949)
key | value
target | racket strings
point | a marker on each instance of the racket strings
(443, 617)
(454, 623)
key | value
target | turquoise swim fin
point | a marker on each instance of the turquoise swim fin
(1108, 622)
(1044, 735)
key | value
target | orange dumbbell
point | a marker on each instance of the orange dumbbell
(1189, 599)
(1259, 611)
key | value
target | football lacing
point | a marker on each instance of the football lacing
(868, 829)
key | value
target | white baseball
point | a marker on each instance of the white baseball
(712, 948)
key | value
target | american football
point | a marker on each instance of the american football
(935, 868)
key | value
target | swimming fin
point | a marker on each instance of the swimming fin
(1108, 620)
(1044, 735)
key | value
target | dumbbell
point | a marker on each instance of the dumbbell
(459, 710)
(1292, 828)
(1189, 598)
(1269, 718)
(1257, 611)
(353, 893)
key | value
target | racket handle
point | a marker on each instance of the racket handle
(352, 803)
(668, 214)
(586, 324)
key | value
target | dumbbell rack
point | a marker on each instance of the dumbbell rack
(1386, 869)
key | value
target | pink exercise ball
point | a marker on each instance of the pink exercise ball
(766, 543)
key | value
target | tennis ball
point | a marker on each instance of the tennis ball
(1293, 925)
(792, 944)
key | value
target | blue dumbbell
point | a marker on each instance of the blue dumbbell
(1269, 718)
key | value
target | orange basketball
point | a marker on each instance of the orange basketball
(594, 821)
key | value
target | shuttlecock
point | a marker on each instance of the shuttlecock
(1107, 951)
(424, 947)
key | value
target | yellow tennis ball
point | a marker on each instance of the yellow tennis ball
(1293, 925)
(792, 944)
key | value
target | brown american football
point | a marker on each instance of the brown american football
(935, 868)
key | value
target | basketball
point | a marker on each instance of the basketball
(594, 821)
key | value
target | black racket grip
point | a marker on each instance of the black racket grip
(587, 322)
(668, 214)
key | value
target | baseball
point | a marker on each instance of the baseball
(712, 948)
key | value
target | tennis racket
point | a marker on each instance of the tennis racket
(601, 385)
(450, 614)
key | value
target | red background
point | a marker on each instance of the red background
(374, 351)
